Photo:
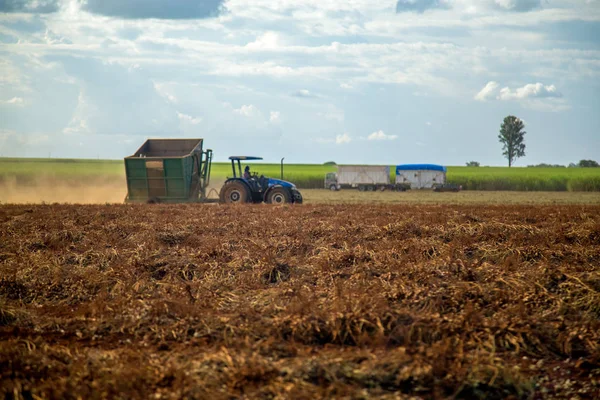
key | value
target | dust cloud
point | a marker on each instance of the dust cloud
(51, 190)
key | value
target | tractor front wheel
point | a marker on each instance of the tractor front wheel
(279, 195)
(234, 192)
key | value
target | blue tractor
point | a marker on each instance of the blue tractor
(251, 188)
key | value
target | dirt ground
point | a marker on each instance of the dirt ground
(303, 302)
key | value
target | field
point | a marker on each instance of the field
(303, 302)
(526, 179)
(31, 172)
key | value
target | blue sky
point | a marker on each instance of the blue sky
(354, 81)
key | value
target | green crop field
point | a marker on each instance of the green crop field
(526, 179)
(30, 171)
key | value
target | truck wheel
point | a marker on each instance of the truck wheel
(279, 195)
(234, 192)
(370, 188)
(333, 188)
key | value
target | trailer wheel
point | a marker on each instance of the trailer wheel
(279, 195)
(361, 188)
(153, 200)
(370, 188)
(234, 192)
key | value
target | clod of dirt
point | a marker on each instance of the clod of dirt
(280, 273)
(172, 238)
(13, 290)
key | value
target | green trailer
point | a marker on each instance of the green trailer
(168, 171)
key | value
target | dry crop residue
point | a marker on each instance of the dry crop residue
(189, 301)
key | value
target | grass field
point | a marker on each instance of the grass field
(311, 302)
(28, 171)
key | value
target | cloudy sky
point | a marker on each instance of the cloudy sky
(355, 81)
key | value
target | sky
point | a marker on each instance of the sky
(350, 81)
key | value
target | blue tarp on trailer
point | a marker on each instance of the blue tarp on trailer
(420, 167)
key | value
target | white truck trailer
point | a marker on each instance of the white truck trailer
(421, 176)
(361, 177)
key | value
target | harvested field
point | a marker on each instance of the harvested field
(317, 301)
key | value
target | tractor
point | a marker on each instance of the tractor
(256, 189)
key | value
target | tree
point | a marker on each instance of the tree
(473, 164)
(512, 137)
(588, 164)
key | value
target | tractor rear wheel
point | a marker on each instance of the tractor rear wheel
(279, 195)
(234, 192)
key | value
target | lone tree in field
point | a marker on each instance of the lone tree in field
(512, 137)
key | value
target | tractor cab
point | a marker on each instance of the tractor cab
(255, 188)
(258, 184)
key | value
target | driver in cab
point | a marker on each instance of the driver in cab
(247, 172)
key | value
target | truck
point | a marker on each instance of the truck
(361, 177)
(422, 176)
(178, 171)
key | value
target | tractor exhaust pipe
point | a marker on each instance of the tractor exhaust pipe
(282, 167)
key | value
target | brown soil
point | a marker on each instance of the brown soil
(354, 301)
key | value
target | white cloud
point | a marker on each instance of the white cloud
(529, 91)
(188, 119)
(535, 96)
(488, 92)
(343, 138)
(249, 111)
(266, 41)
(532, 90)
(84, 111)
(16, 101)
(275, 117)
(381, 135)
(162, 90)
